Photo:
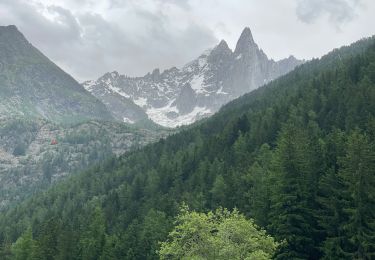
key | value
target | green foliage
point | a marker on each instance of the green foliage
(24, 246)
(358, 175)
(216, 235)
(154, 229)
(259, 182)
(293, 199)
(40, 164)
(93, 239)
(297, 156)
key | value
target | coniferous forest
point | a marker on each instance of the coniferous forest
(294, 161)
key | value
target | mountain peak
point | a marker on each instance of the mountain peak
(292, 58)
(221, 49)
(42, 88)
(155, 75)
(245, 41)
(156, 72)
(198, 89)
(10, 33)
(246, 35)
(223, 44)
(112, 75)
(9, 28)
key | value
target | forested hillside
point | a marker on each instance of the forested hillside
(35, 153)
(297, 156)
(32, 86)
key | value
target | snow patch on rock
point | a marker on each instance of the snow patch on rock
(128, 120)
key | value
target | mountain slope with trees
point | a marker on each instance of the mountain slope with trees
(297, 156)
(32, 86)
(34, 154)
(39, 103)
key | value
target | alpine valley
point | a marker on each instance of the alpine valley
(50, 126)
(233, 156)
(181, 96)
(296, 157)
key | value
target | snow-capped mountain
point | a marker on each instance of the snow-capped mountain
(180, 96)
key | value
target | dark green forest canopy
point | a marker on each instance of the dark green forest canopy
(297, 156)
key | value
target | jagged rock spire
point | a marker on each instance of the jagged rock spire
(222, 45)
(203, 85)
(245, 42)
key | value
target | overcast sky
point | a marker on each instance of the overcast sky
(90, 37)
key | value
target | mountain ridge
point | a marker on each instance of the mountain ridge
(32, 85)
(217, 76)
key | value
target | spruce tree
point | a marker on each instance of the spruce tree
(292, 212)
(358, 173)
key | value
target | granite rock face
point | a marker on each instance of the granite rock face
(186, 100)
(179, 96)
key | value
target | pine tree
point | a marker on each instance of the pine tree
(155, 228)
(258, 185)
(293, 199)
(358, 173)
(332, 194)
(46, 238)
(218, 191)
(24, 247)
(110, 249)
(92, 241)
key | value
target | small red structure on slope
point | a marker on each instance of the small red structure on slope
(53, 142)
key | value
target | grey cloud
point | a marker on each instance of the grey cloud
(338, 11)
(184, 4)
(35, 26)
(55, 38)
(118, 3)
(66, 23)
(181, 3)
(88, 45)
